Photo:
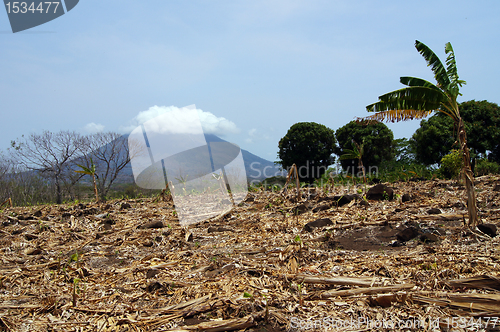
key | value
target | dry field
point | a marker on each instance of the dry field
(370, 265)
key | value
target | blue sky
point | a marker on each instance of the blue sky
(256, 66)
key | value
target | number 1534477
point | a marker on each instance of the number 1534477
(30, 7)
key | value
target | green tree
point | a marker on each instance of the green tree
(434, 139)
(377, 141)
(420, 98)
(436, 136)
(404, 151)
(482, 123)
(309, 146)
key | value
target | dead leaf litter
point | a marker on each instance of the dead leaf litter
(330, 260)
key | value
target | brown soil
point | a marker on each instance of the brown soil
(129, 266)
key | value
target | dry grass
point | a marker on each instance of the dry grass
(101, 268)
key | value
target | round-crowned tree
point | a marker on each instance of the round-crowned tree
(377, 140)
(436, 137)
(309, 146)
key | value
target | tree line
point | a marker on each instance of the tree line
(41, 167)
(309, 144)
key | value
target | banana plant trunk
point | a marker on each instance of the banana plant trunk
(95, 189)
(360, 165)
(468, 175)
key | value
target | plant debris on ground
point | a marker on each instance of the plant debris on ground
(331, 259)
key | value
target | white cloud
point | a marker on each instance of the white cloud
(93, 128)
(255, 134)
(216, 125)
(180, 120)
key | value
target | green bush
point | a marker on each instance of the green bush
(393, 171)
(484, 167)
(451, 165)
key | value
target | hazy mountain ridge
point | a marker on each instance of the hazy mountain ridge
(257, 168)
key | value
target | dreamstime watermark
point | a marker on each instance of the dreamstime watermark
(171, 151)
(27, 14)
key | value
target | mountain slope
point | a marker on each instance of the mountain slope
(257, 168)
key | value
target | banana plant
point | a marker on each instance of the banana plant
(90, 171)
(355, 153)
(420, 98)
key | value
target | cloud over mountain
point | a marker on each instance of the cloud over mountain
(176, 120)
